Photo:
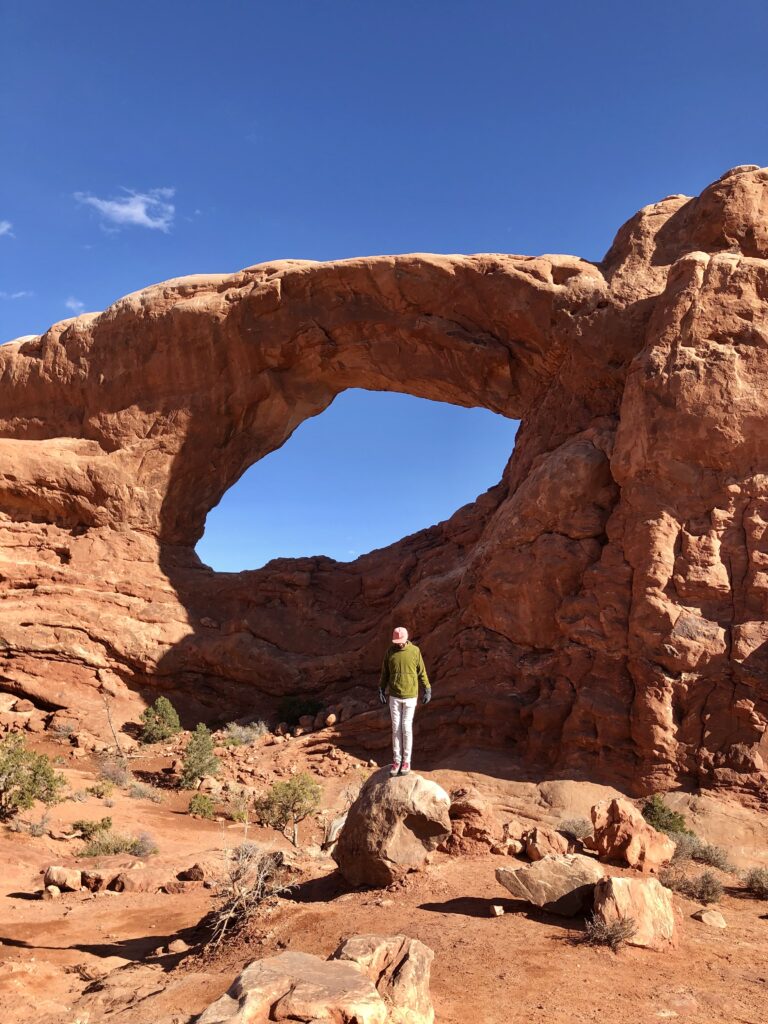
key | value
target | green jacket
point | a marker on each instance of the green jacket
(402, 670)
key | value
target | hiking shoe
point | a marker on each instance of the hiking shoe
(405, 768)
(395, 769)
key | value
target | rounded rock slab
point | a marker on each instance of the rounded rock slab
(391, 827)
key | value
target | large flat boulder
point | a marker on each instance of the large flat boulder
(391, 827)
(560, 884)
(646, 902)
(370, 979)
(298, 987)
(621, 834)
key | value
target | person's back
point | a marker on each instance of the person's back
(402, 672)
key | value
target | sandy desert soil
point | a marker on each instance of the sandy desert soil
(88, 957)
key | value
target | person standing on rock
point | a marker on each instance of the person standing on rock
(401, 672)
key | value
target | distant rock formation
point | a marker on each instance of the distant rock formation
(602, 610)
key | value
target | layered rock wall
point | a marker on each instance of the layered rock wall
(603, 609)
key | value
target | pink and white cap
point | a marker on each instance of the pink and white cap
(400, 635)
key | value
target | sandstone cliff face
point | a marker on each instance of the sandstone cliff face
(603, 609)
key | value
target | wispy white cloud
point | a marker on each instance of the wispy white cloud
(16, 295)
(74, 304)
(152, 209)
(6, 228)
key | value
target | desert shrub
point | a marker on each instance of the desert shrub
(160, 721)
(25, 777)
(293, 707)
(64, 729)
(140, 791)
(579, 828)
(101, 789)
(105, 844)
(615, 935)
(252, 876)
(288, 803)
(91, 828)
(78, 796)
(115, 770)
(202, 805)
(704, 888)
(756, 882)
(241, 735)
(238, 809)
(199, 759)
(40, 827)
(663, 818)
(690, 847)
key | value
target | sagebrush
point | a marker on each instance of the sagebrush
(105, 844)
(579, 828)
(615, 935)
(236, 735)
(704, 888)
(90, 828)
(756, 882)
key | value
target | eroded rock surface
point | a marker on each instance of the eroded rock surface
(561, 884)
(391, 827)
(622, 834)
(646, 902)
(603, 609)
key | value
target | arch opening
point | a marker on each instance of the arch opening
(374, 467)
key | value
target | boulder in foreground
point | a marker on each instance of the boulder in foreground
(400, 969)
(371, 979)
(562, 885)
(622, 834)
(391, 827)
(646, 902)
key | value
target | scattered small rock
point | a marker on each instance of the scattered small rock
(713, 918)
(496, 910)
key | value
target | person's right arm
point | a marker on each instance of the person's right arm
(384, 674)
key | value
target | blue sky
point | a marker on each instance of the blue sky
(146, 140)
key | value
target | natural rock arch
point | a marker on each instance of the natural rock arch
(603, 609)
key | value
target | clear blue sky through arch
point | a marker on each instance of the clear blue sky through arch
(372, 468)
(149, 140)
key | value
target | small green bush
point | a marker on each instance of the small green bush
(756, 882)
(614, 935)
(663, 818)
(91, 828)
(288, 803)
(160, 721)
(294, 707)
(106, 844)
(101, 789)
(704, 888)
(25, 777)
(199, 759)
(40, 827)
(579, 828)
(202, 806)
(242, 735)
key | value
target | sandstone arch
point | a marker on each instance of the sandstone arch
(601, 609)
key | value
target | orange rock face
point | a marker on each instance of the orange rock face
(603, 609)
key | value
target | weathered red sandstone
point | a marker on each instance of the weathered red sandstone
(602, 610)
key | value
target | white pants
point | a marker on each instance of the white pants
(402, 709)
